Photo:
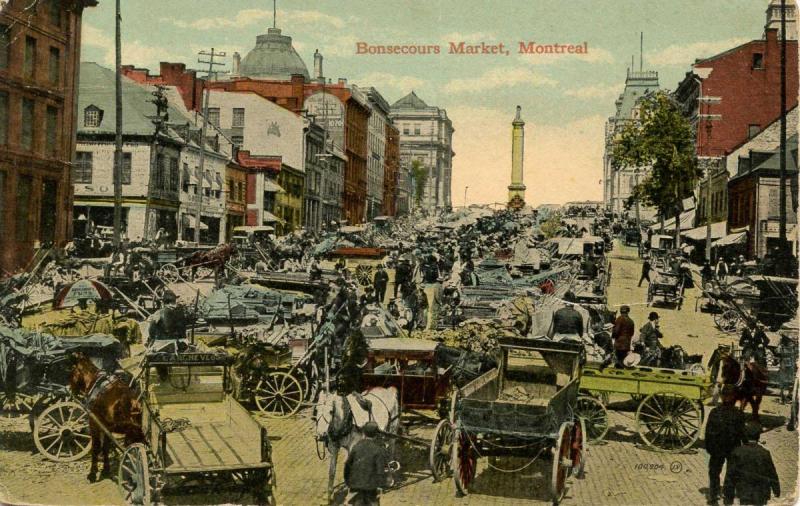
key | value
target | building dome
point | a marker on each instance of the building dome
(273, 58)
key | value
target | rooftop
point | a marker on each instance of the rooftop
(274, 57)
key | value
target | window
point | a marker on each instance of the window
(29, 66)
(186, 177)
(416, 129)
(54, 12)
(758, 60)
(47, 204)
(82, 171)
(752, 130)
(3, 117)
(237, 140)
(5, 46)
(92, 116)
(174, 177)
(26, 137)
(213, 116)
(241, 191)
(52, 131)
(231, 196)
(158, 175)
(24, 194)
(238, 117)
(405, 129)
(125, 174)
(54, 69)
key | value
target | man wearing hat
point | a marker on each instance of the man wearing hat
(649, 335)
(380, 281)
(751, 474)
(365, 468)
(724, 432)
(622, 333)
(171, 321)
(567, 320)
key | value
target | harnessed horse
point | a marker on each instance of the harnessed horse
(113, 404)
(750, 381)
(337, 426)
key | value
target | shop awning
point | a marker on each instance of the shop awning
(271, 218)
(699, 233)
(687, 222)
(730, 240)
(272, 187)
(189, 221)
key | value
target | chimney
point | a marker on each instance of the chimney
(237, 62)
(317, 64)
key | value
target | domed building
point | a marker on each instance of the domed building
(273, 58)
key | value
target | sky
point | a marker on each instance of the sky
(565, 99)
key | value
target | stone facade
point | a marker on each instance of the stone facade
(39, 68)
(376, 157)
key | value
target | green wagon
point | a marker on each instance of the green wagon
(670, 410)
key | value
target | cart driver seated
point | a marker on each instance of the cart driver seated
(169, 325)
(567, 322)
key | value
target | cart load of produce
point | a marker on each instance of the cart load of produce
(242, 303)
(86, 323)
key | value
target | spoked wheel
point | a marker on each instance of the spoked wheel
(168, 273)
(594, 413)
(134, 476)
(561, 463)
(278, 395)
(13, 405)
(578, 450)
(728, 321)
(439, 455)
(363, 274)
(464, 463)
(309, 382)
(669, 421)
(61, 432)
(697, 370)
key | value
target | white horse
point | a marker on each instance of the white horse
(339, 421)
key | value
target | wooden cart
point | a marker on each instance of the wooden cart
(196, 432)
(524, 408)
(670, 413)
(668, 286)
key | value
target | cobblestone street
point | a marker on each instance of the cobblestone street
(618, 471)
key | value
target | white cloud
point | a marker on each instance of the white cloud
(685, 54)
(249, 17)
(555, 169)
(134, 52)
(386, 81)
(596, 91)
(498, 78)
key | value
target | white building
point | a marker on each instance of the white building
(426, 135)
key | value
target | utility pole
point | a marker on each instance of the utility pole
(465, 196)
(117, 175)
(206, 96)
(782, 223)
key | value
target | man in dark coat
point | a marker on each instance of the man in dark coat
(622, 333)
(645, 272)
(365, 468)
(380, 281)
(724, 432)
(751, 474)
(402, 275)
(753, 342)
(649, 336)
(171, 322)
(567, 320)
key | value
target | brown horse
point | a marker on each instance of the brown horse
(113, 404)
(750, 382)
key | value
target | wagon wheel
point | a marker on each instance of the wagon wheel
(134, 476)
(578, 450)
(697, 370)
(169, 273)
(61, 432)
(363, 274)
(278, 395)
(464, 463)
(309, 381)
(727, 321)
(669, 421)
(594, 413)
(561, 462)
(16, 404)
(439, 455)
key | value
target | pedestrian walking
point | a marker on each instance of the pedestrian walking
(645, 272)
(365, 469)
(724, 432)
(722, 269)
(621, 334)
(380, 281)
(706, 272)
(751, 474)
(649, 336)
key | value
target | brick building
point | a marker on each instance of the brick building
(39, 55)
(391, 171)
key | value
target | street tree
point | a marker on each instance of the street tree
(420, 174)
(551, 226)
(663, 139)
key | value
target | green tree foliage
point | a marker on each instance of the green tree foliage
(551, 226)
(663, 139)
(420, 174)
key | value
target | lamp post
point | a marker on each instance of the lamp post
(465, 196)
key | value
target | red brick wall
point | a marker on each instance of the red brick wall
(749, 96)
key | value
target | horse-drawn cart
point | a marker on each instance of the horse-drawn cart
(668, 286)
(523, 408)
(196, 433)
(670, 411)
(361, 261)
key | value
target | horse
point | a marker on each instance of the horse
(113, 404)
(750, 382)
(337, 426)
